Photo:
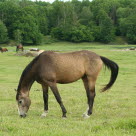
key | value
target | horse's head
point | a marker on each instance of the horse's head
(24, 103)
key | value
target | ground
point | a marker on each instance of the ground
(114, 112)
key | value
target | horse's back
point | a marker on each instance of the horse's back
(66, 67)
(71, 60)
(63, 67)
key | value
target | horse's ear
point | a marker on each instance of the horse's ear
(15, 90)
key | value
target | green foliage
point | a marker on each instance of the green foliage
(81, 34)
(42, 20)
(3, 33)
(57, 33)
(106, 28)
(28, 25)
(37, 38)
(128, 28)
(78, 21)
(75, 34)
(18, 36)
(86, 15)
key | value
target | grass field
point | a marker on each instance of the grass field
(114, 112)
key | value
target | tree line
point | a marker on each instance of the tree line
(26, 21)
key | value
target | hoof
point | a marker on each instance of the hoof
(64, 117)
(44, 114)
(86, 116)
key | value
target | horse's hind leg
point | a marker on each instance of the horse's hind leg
(45, 98)
(55, 91)
(89, 84)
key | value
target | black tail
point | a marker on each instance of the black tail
(114, 72)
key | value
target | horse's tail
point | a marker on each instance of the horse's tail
(114, 72)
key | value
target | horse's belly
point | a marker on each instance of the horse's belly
(67, 80)
(69, 77)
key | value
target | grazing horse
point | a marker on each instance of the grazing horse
(3, 49)
(50, 68)
(19, 47)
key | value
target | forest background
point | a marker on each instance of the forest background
(28, 22)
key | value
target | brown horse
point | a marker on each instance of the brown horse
(3, 49)
(50, 68)
(19, 47)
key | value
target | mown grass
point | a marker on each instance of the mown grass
(114, 111)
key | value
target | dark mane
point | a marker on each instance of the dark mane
(26, 70)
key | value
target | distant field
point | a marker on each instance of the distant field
(114, 111)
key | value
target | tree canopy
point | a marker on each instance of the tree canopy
(28, 21)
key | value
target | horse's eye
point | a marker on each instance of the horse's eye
(20, 102)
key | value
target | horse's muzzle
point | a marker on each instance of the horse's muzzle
(23, 116)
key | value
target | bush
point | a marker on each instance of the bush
(75, 34)
(37, 38)
(57, 33)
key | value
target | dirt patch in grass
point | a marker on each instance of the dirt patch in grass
(29, 53)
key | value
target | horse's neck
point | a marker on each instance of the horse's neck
(25, 85)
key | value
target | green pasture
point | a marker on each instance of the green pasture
(114, 112)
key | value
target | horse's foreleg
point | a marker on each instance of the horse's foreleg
(89, 84)
(58, 98)
(45, 98)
